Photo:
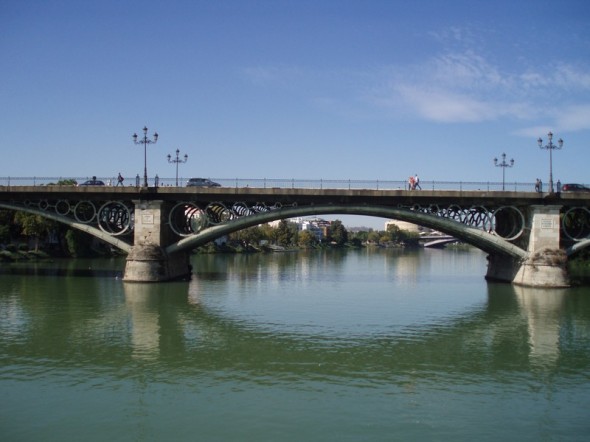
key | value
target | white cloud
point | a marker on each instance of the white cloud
(444, 106)
(451, 88)
(533, 132)
(458, 88)
(464, 71)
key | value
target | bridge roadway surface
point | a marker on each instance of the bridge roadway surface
(290, 196)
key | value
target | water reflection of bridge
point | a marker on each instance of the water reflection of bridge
(514, 317)
(153, 323)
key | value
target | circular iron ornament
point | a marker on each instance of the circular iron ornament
(242, 209)
(114, 218)
(44, 205)
(218, 213)
(187, 218)
(62, 207)
(197, 220)
(479, 216)
(576, 223)
(260, 208)
(455, 213)
(434, 209)
(85, 211)
(508, 222)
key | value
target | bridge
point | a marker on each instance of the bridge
(528, 235)
(434, 241)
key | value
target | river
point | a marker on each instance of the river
(371, 345)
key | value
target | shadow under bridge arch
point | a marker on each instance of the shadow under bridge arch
(485, 241)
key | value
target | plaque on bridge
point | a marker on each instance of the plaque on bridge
(546, 223)
(147, 219)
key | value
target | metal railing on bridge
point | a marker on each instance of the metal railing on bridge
(287, 183)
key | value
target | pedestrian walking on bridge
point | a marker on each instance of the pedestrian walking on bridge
(417, 182)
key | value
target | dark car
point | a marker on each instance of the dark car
(92, 182)
(201, 182)
(574, 188)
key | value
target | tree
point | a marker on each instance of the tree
(373, 236)
(337, 233)
(410, 239)
(269, 233)
(66, 182)
(286, 233)
(307, 239)
(249, 236)
(32, 225)
(406, 237)
(394, 232)
(6, 225)
(79, 243)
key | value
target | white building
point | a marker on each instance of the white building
(317, 226)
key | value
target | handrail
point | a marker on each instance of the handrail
(292, 183)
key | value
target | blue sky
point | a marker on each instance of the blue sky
(296, 89)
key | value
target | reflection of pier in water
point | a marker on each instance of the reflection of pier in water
(543, 309)
(514, 319)
(176, 325)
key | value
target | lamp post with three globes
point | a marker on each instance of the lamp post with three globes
(177, 160)
(145, 141)
(550, 147)
(503, 165)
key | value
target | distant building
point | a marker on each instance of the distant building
(317, 226)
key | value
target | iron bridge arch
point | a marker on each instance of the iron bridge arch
(198, 223)
(488, 230)
(108, 221)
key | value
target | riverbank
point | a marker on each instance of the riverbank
(23, 255)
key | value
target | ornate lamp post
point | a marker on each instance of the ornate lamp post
(503, 165)
(177, 161)
(145, 141)
(550, 146)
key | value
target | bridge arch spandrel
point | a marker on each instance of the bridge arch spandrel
(476, 237)
(112, 240)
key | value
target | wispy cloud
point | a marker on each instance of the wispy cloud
(458, 88)
(569, 118)
(442, 105)
(462, 87)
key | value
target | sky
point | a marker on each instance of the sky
(302, 89)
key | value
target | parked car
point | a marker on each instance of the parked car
(201, 182)
(92, 182)
(574, 188)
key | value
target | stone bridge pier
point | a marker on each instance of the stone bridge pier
(545, 264)
(148, 260)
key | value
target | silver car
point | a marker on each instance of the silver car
(201, 182)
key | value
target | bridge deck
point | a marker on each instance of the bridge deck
(295, 195)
